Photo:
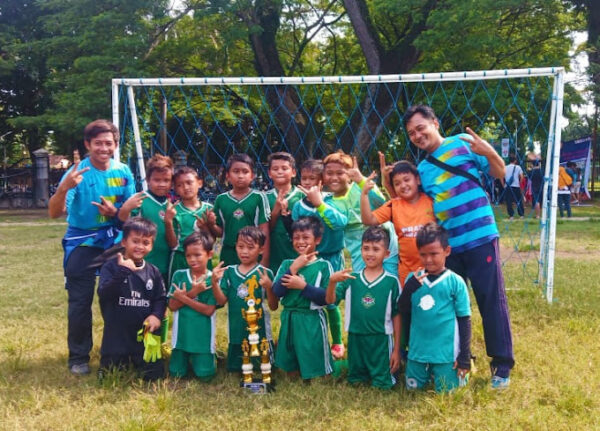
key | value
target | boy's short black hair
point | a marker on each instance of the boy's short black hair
(183, 171)
(201, 237)
(281, 155)
(98, 127)
(425, 110)
(313, 165)
(377, 234)
(239, 157)
(311, 223)
(403, 167)
(253, 233)
(140, 225)
(431, 233)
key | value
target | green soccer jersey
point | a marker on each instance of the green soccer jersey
(234, 214)
(184, 222)
(193, 332)
(316, 273)
(434, 306)
(154, 211)
(235, 287)
(369, 306)
(281, 243)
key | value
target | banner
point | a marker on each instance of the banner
(579, 152)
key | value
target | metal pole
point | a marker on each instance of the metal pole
(136, 135)
(543, 260)
(555, 167)
(115, 115)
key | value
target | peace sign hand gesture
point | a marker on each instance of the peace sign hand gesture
(301, 261)
(313, 194)
(369, 183)
(264, 280)
(74, 177)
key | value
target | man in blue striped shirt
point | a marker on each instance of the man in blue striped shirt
(462, 207)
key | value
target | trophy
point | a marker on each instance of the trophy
(251, 348)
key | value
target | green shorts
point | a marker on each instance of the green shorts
(369, 359)
(419, 374)
(203, 364)
(303, 343)
(234, 358)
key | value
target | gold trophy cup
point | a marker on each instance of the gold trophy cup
(251, 348)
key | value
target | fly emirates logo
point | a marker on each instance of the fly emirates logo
(136, 300)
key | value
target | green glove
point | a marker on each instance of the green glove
(152, 347)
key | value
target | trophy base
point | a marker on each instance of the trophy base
(257, 387)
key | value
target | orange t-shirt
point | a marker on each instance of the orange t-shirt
(407, 219)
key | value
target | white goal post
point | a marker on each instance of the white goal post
(123, 95)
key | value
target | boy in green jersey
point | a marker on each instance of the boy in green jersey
(300, 283)
(282, 198)
(187, 216)
(234, 283)
(332, 242)
(241, 206)
(437, 301)
(371, 313)
(193, 304)
(153, 204)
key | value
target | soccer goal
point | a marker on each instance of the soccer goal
(200, 122)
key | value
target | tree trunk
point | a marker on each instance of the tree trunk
(283, 100)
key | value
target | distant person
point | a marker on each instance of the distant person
(536, 179)
(564, 191)
(90, 193)
(512, 192)
(461, 206)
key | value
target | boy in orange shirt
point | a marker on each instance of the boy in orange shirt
(408, 211)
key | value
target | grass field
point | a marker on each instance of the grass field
(555, 383)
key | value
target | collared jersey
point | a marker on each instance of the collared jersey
(369, 305)
(154, 210)
(334, 223)
(281, 242)
(126, 299)
(434, 307)
(407, 219)
(116, 184)
(235, 287)
(460, 205)
(193, 332)
(315, 273)
(234, 214)
(184, 223)
(349, 205)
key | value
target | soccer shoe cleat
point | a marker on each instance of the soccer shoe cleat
(337, 351)
(80, 369)
(500, 382)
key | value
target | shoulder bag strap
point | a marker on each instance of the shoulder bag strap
(453, 169)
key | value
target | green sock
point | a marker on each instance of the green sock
(335, 324)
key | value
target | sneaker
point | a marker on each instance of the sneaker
(500, 382)
(80, 369)
(337, 351)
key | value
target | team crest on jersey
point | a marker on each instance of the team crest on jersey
(161, 214)
(368, 301)
(238, 213)
(427, 302)
(242, 291)
(149, 285)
